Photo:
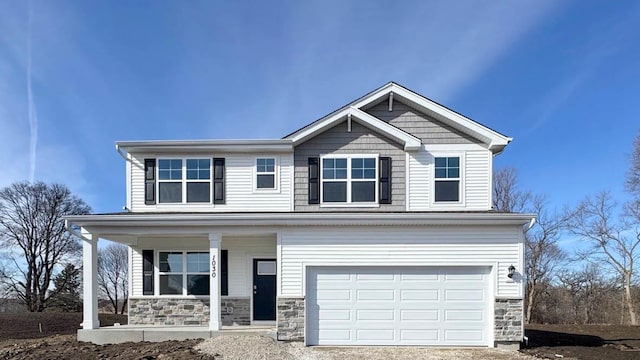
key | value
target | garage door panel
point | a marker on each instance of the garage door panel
(374, 277)
(375, 295)
(335, 314)
(419, 336)
(464, 295)
(419, 277)
(410, 315)
(397, 306)
(334, 295)
(419, 295)
(464, 315)
(338, 335)
(375, 314)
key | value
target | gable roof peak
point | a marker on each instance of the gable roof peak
(492, 139)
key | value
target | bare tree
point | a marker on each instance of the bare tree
(633, 174)
(613, 243)
(34, 236)
(507, 195)
(113, 275)
(542, 254)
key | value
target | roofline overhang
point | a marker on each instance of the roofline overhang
(111, 223)
(191, 146)
(493, 140)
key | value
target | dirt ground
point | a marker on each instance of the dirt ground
(585, 342)
(21, 338)
(67, 347)
(52, 336)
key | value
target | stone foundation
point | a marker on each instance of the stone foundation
(290, 319)
(169, 312)
(508, 322)
(235, 311)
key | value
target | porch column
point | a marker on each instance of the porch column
(215, 242)
(90, 281)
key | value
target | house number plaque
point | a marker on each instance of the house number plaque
(213, 266)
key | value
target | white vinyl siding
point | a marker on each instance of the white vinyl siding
(415, 246)
(239, 186)
(476, 176)
(478, 179)
(241, 251)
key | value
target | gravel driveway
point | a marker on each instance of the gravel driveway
(253, 347)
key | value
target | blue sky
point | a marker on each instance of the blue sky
(561, 77)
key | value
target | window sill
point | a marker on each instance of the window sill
(352, 205)
(266, 191)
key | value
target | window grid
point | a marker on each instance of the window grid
(265, 177)
(184, 171)
(447, 179)
(191, 264)
(349, 169)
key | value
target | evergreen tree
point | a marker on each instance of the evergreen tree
(66, 294)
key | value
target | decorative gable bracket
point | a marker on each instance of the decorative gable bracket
(410, 142)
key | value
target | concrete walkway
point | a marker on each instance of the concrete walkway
(136, 333)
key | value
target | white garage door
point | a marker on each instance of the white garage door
(398, 306)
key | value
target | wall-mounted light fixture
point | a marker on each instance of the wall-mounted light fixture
(512, 270)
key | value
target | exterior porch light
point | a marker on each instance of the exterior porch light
(512, 270)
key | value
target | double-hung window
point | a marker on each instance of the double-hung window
(183, 273)
(447, 179)
(266, 173)
(184, 180)
(349, 179)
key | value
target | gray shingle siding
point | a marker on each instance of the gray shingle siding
(360, 140)
(429, 130)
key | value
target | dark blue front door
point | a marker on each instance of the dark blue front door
(264, 289)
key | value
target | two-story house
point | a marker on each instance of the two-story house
(370, 226)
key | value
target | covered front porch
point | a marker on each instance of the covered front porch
(185, 282)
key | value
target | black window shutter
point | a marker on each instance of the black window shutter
(314, 180)
(149, 181)
(218, 181)
(147, 272)
(385, 180)
(224, 270)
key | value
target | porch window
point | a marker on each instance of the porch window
(183, 273)
(187, 273)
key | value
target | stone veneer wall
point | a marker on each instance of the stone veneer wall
(176, 312)
(235, 311)
(168, 311)
(508, 320)
(290, 319)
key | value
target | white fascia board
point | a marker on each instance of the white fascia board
(495, 140)
(410, 142)
(111, 223)
(187, 146)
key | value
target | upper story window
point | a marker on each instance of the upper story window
(184, 180)
(447, 179)
(265, 173)
(349, 179)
